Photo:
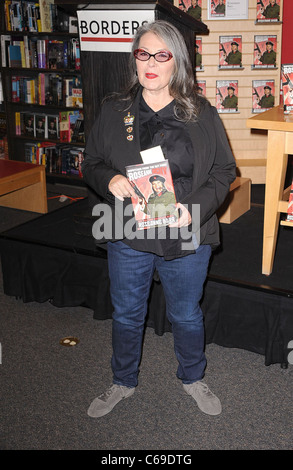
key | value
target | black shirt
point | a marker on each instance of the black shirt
(162, 128)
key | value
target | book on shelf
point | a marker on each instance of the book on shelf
(17, 123)
(45, 13)
(287, 87)
(14, 56)
(77, 135)
(53, 126)
(154, 203)
(41, 129)
(68, 122)
(27, 123)
(71, 159)
(35, 16)
(73, 92)
(36, 52)
(37, 152)
(5, 43)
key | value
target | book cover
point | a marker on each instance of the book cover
(198, 55)
(53, 126)
(45, 13)
(230, 52)
(194, 9)
(263, 95)
(55, 54)
(27, 124)
(40, 125)
(217, 9)
(227, 96)
(75, 159)
(201, 87)
(73, 92)
(154, 204)
(5, 43)
(66, 121)
(77, 129)
(14, 54)
(267, 11)
(265, 47)
(287, 87)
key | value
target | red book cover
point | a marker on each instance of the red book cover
(154, 204)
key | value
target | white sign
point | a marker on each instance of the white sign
(228, 10)
(110, 30)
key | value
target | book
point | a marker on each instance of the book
(41, 128)
(45, 14)
(265, 55)
(27, 121)
(66, 123)
(53, 126)
(5, 43)
(56, 54)
(73, 92)
(14, 55)
(17, 123)
(267, 12)
(287, 87)
(77, 129)
(230, 52)
(227, 96)
(263, 95)
(201, 87)
(154, 203)
(198, 55)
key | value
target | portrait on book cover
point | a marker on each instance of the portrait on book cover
(265, 51)
(191, 7)
(263, 95)
(227, 96)
(154, 203)
(268, 11)
(198, 55)
(217, 8)
(230, 52)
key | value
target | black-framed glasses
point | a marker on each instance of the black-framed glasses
(162, 56)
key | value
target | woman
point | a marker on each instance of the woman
(164, 110)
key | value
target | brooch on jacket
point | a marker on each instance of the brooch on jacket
(128, 122)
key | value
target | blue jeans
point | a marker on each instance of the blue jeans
(131, 274)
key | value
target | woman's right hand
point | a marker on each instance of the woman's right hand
(120, 187)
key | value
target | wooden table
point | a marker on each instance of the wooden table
(280, 144)
(23, 186)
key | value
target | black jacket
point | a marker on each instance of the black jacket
(108, 152)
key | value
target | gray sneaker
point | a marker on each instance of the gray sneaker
(205, 399)
(105, 402)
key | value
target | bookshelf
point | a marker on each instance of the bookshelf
(42, 87)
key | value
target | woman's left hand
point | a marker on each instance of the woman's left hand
(185, 218)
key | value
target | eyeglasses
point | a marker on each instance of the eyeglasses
(162, 56)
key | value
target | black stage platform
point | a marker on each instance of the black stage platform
(54, 257)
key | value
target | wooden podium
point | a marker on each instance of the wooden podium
(23, 186)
